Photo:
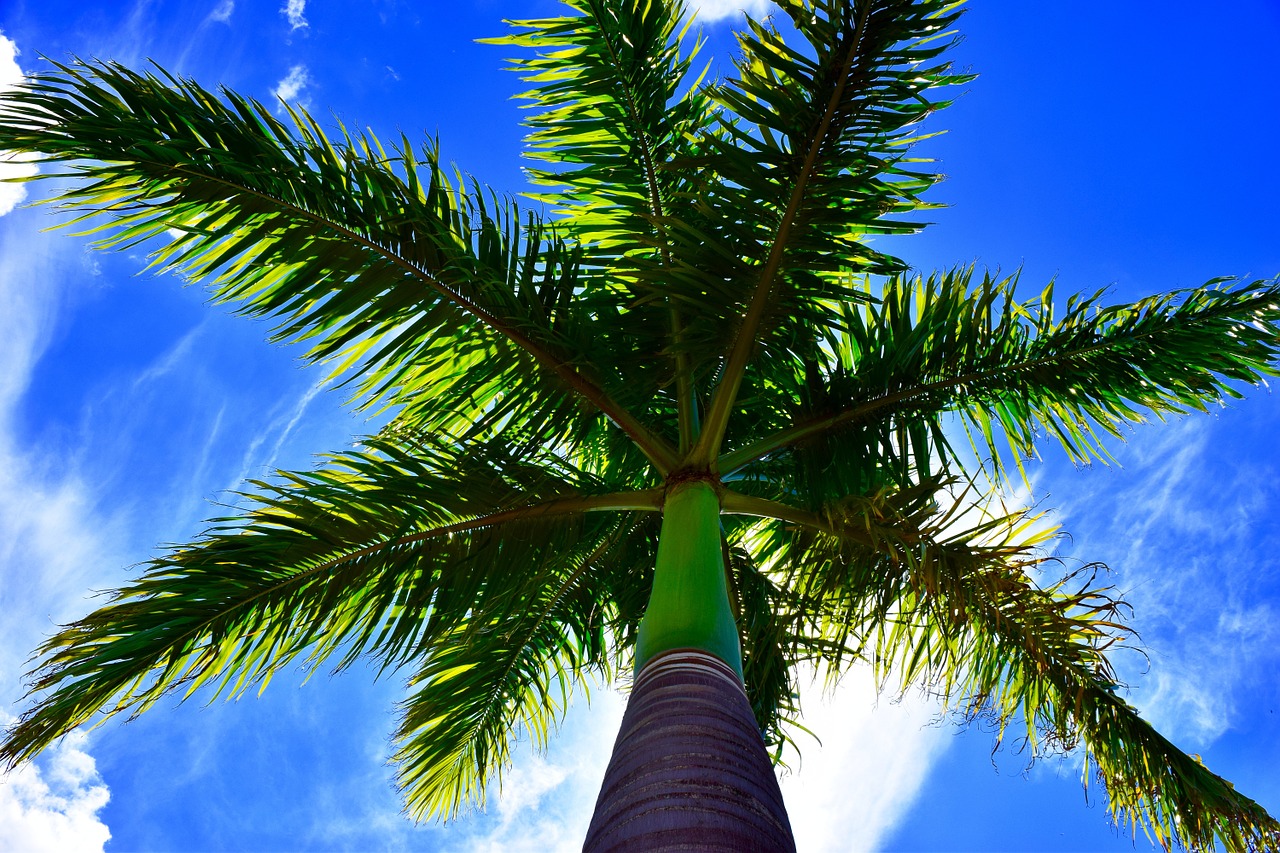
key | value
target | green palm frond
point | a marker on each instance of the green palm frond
(432, 296)
(376, 554)
(818, 135)
(945, 343)
(816, 148)
(1008, 649)
(947, 604)
(855, 560)
(508, 668)
(613, 113)
(614, 118)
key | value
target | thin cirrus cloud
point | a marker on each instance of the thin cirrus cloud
(1206, 626)
(222, 12)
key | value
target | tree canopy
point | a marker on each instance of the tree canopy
(693, 294)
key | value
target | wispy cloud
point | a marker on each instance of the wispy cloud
(222, 12)
(281, 425)
(709, 11)
(11, 195)
(294, 11)
(1184, 531)
(290, 88)
(170, 361)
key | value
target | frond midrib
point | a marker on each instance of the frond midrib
(736, 459)
(657, 209)
(717, 419)
(654, 447)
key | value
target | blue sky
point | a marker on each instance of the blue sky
(1106, 144)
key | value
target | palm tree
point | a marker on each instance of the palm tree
(690, 424)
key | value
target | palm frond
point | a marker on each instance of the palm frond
(614, 122)
(851, 561)
(1006, 648)
(1022, 370)
(612, 113)
(816, 148)
(376, 554)
(936, 601)
(508, 669)
(381, 262)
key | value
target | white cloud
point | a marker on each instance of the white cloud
(292, 85)
(282, 421)
(293, 10)
(708, 11)
(854, 787)
(26, 314)
(53, 806)
(222, 12)
(11, 195)
(546, 801)
(47, 521)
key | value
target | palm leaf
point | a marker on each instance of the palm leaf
(613, 113)
(508, 668)
(815, 146)
(380, 262)
(928, 346)
(775, 640)
(615, 121)
(377, 554)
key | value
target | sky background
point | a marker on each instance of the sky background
(1130, 146)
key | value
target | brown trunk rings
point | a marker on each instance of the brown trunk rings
(689, 769)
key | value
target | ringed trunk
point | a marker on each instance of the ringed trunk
(689, 770)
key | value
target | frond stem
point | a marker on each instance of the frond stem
(642, 501)
(654, 447)
(645, 500)
(736, 503)
(684, 377)
(744, 456)
(726, 394)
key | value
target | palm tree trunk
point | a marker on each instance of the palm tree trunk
(689, 769)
